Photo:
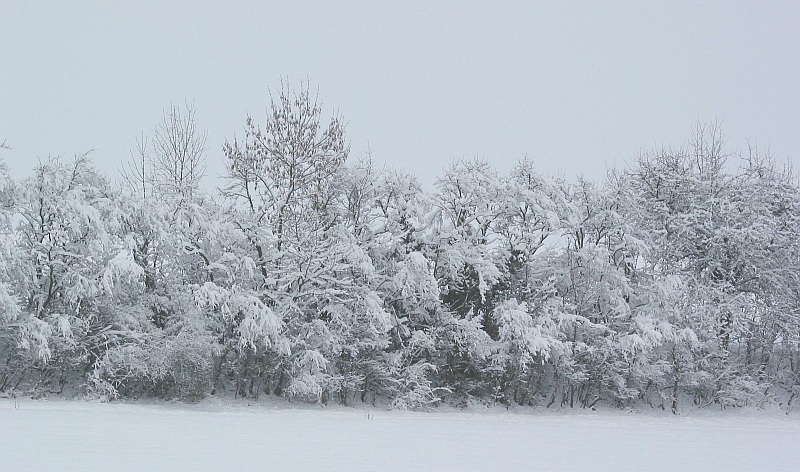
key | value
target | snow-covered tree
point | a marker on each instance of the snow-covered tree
(726, 236)
(11, 333)
(73, 273)
(312, 273)
(674, 282)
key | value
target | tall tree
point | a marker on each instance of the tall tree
(312, 272)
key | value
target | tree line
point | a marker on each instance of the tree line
(319, 278)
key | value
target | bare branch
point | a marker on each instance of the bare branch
(172, 162)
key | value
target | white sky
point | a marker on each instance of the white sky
(576, 86)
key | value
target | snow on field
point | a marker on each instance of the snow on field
(59, 435)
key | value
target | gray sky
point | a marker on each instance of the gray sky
(576, 86)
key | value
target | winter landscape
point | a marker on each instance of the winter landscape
(308, 305)
(667, 292)
(673, 285)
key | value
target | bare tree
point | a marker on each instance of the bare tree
(172, 161)
(178, 151)
(136, 172)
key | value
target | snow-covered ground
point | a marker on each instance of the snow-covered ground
(59, 435)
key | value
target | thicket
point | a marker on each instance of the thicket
(317, 278)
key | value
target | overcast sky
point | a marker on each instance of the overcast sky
(577, 86)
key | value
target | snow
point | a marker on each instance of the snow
(214, 436)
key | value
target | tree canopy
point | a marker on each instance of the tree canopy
(315, 276)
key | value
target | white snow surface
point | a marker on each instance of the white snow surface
(220, 435)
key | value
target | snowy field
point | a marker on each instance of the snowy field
(59, 435)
